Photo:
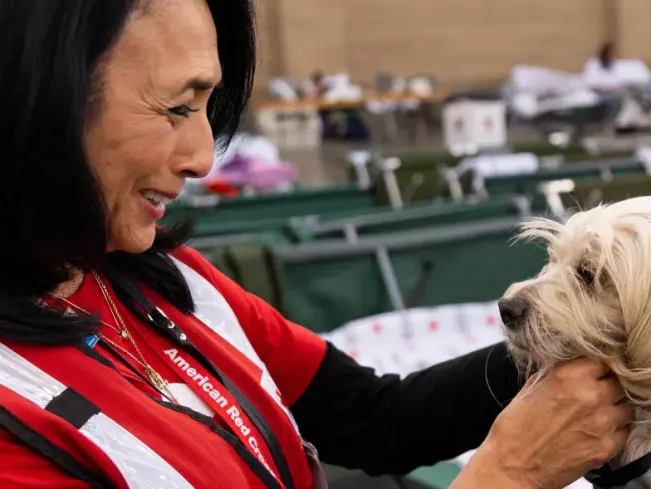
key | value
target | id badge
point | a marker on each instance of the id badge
(92, 340)
(319, 480)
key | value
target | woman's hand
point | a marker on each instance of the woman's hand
(557, 429)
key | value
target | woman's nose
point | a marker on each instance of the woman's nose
(198, 166)
(198, 151)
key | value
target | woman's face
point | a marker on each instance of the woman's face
(152, 130)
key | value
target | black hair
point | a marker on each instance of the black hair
(51, 207)
(605, 55)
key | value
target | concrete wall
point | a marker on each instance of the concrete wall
(462, 42)
(634, 39)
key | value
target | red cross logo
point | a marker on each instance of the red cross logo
(377, 328)
(490, 321)
(433, 326)
(458, 123)
(488, 124)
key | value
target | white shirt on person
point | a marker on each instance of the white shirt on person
(599, 77)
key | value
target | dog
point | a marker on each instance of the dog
(591, 299)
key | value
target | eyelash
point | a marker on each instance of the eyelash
(182, 111)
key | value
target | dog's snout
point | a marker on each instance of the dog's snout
(513, 311)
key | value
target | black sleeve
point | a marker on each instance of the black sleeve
(385, 425)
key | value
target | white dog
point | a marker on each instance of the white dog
(592, 298)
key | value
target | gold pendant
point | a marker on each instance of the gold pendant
(156, 379)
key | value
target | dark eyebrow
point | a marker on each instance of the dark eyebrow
(197, 83)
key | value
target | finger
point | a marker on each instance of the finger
(623, 416)
(621, 437)
(594, 368)
(614, 444)
(598, 369)
(612, 389)
(608, 375)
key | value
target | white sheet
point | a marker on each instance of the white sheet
(623, 73)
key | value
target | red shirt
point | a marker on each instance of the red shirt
(291, 353)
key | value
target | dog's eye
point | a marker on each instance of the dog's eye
(586, 276)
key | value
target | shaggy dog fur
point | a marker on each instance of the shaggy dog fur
(593, 299)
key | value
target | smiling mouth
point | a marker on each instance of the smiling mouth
(156, 199)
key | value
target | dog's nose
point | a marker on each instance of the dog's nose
(513, 311)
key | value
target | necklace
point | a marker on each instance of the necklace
(156, 379)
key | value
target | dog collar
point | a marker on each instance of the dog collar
(634, 475)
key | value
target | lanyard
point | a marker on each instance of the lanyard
(215, 395)
(268, 447)
(267, 477)
(606, 477)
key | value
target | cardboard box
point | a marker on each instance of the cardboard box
(291, 128)
(473, 125)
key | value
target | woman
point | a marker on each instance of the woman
(126, 360)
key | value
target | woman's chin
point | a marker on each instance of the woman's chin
(132, 240)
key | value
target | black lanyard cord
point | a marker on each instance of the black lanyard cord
(247, 457)
(606, 477)
(254, 464)
(129, 294)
